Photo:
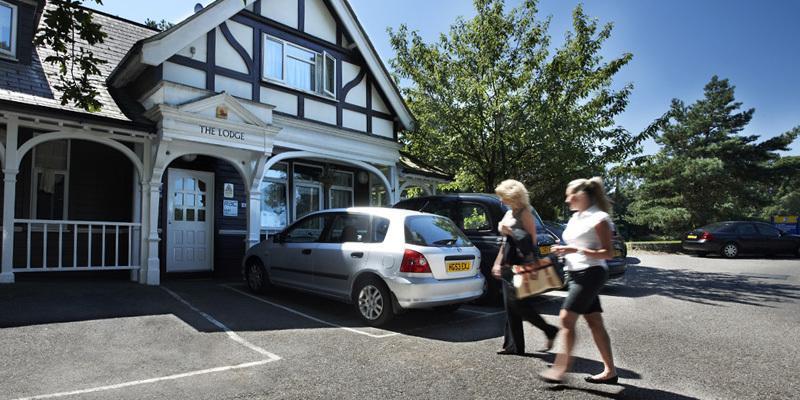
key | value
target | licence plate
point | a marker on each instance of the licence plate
(544, 250)
(691, 236)
(458, 266)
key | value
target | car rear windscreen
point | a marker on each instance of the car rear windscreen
(719, 227)
(434, 231)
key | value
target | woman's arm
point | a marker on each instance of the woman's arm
(496, 267)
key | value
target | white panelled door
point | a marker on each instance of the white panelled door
(190, 216)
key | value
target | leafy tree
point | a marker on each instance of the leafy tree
(706, 170)
(67, 28)
(160, 25)
(493, 101)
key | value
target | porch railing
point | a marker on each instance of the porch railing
(50, 245)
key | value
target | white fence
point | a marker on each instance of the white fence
(48, 245)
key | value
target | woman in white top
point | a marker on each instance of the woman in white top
(588, 245)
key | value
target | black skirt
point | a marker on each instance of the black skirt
(583, 296)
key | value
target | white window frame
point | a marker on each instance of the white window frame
(343, 189)
(35, 182)
(285, 183)
(320, 68)
(298, 183)
(13, 38)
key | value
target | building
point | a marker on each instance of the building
(227, 127)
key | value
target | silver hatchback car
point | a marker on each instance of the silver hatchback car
(382, 260)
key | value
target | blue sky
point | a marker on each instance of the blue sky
(677, 46)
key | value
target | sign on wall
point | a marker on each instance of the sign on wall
(787, 223)
(228, 191)
(230, 208)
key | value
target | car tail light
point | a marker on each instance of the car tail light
(414, 262)
(707, 236)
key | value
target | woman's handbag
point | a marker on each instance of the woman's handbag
(531, 283)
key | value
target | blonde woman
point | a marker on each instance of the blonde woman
(588, 245)
(519, 248)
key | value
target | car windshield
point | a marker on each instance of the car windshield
(434, 231)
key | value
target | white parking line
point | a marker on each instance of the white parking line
(152, 380)
(293, 311)
(232, 335)
(480, 312)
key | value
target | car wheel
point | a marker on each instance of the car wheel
(256, 274)
(450, 308)
(373, 301)
(730, 250)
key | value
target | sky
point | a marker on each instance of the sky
(677, 46)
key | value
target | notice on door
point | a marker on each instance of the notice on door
(230, 208)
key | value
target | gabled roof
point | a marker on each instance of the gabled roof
(33, 86)
(157, 49)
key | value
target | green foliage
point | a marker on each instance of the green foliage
(476, 221)
(66, 27)
(707, 170)
(493, 102)
(160, 25)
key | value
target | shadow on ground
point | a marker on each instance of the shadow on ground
(627, 392)
(704, 287)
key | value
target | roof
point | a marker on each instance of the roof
(411, 165)
(35, 84)
(156, 49)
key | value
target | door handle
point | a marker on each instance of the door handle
(357, 254)
(306, 251)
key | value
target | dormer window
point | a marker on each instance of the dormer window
(298, 67)
(8, 29)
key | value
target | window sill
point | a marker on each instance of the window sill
(303, 91)
(8, 57)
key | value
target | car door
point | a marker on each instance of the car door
(475, 220)
(748, 237)
(341, 253)
(773, 241)
(291, 258)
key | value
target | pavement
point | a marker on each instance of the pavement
(681, 327)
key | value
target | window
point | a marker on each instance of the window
(767, 230)
(308, 230)
(347, 228)
(50, 186)
(8, 28)
(475, 218)
(307, 189)
(275, 198)
(341, 191)
(298, 67)
(433, 231)
(746, 229)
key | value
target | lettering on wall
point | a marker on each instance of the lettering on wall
(222, 132)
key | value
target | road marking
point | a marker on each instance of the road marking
(293, 311)
(231, 334)
(152, 380)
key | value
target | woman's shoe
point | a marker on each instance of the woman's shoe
(545, 377)
(548, 345)
(506, 352)
(607, 381)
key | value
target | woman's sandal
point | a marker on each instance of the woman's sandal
(606, 381)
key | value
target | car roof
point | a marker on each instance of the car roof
(462, 196)
(379, 211)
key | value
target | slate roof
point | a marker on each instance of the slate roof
(34, 84)
(411, 165)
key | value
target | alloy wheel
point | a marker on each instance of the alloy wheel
(730, 250)
(370, 302)
(255, 277)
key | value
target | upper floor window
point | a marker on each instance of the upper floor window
(299, 67)
(8, 28)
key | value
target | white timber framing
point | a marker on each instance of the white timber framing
(56, 129)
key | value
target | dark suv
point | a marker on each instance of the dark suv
(478, 215)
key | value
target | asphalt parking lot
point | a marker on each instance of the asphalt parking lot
(205, 339)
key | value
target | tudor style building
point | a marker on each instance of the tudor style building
(224, 128)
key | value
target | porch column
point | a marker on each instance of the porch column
(253, 219)
(9, 200)
(394, 191)
(138, 212)
(151, 274)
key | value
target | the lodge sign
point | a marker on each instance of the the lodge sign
(224, 133)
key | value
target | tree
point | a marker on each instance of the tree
(493, 102)
(160, 25)
(67, 27)
(706, 170)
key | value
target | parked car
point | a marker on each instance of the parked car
(381, 260)
(617, 265)
(732, 238)
(478, 215)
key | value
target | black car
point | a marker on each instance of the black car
(733, 238)
(478, 216)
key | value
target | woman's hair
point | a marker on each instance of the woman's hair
(594, 189)
(514, 192)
